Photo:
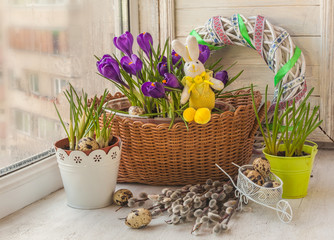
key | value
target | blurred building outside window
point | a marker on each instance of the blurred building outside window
(23, 122)
(34, 83)
(58, 86)
(44, 45)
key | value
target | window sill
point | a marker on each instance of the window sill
(27, 185)
(50, 218)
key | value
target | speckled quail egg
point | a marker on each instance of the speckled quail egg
(276, 184)
(245, 172)
(255, 177)
(268, 185)
(271, 184)
(87, 144)
(135, 110)
(262, 166)
(138, 218)
(122, 196)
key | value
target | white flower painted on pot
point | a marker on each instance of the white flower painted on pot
(77, 159)
(113, 155)
(97, 158)
(80, 158)
(61, 156)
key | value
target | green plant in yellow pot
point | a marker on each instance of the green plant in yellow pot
(290, 155)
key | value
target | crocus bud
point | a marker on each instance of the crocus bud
(171, 81)
(109, 68)
(145, 41)
(204, 53)
(175, 58)
(153, 89)
(222, 76)
(124, 43)
(132, 65)
(163, 68)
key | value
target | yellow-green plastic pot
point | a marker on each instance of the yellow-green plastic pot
(295, 172)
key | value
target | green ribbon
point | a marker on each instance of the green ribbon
(286, 68)
(243, 31)
(201, 41)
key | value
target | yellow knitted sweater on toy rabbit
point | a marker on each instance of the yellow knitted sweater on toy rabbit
(202, 95)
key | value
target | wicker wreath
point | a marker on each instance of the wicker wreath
(273, 44)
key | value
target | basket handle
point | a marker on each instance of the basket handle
(256, 124)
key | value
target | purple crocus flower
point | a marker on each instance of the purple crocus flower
(163, 67)
(175, 58)
(171, 81)
(132, 65)
(164, 59)
(144, 39)
(204, 53)
(153, 89)
(109, 68)
(222, 76)
(124, 43)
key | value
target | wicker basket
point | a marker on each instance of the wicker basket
(153, 154)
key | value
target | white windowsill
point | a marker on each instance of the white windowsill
(50, 218)
(27, 185)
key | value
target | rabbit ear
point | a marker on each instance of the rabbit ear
(181, 50)
(193, 47)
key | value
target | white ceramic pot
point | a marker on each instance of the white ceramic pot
(89, 177)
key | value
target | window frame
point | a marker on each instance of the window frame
(42, 126)
(21, 185)
(34, 81)
(57, 85)
(26, 121)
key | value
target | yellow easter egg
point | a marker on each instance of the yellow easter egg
(189, 114)
(202, 116)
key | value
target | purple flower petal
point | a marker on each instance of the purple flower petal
(138, 62)
(153, 89)
(115, 42)
(144, 88)
(124, 43)
(171, 81)
(144, 40)
(128, 65)
(204, 53)
(163, 68)
(109, 68)
(175, 58)
(163, 59)
(157, 90)
(222, 76)
(131, 65)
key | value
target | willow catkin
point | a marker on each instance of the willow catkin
(198, 213)
(206, 205)
(214, 217)
(217, 229)
(143, 195)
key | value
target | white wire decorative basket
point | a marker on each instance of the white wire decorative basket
(264, 195)
(267, 197)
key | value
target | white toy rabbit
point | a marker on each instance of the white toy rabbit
(197, 83)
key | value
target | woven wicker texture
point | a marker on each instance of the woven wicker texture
(273, 43)
(153, 154)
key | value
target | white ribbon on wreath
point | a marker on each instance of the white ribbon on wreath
(274, 44)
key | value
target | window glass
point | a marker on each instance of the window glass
(58, 85)
(44, 45)
(33, 83)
